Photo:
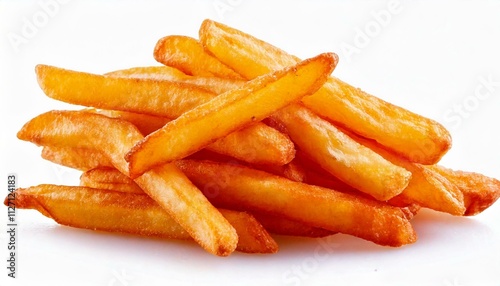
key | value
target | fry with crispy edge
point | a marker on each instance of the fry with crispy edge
(479, 191)
(214, 84)
(187, 55)
(166, 184)
(243, 188)
(138, 214)
(112, 179)
(257, 144)
(229, 112)
(410, 135)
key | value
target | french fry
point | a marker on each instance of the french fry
(240, 187)
(216, 85)
(112, 179)
(187, 55)
(479, 191)
(426, 188)
(229, 112)
(337, 153)
(160, 98)
(412, 136)
(77, 158)
(166, 184)
(130, 213)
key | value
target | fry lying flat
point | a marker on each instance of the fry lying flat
(137, 214)
(229, 112)
(412, 136)
(244, 188)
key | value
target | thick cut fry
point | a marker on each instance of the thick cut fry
(216, 85)
(166, 184)
(255, 144)
(479, 191)
(187, 55)
(112, 179)
(137, 214)
(412, 136)
(426, 188)
(161, 98)
(228, 112)
(241, 187)
(77, 158)
(337, 153)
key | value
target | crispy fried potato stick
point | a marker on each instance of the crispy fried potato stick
(337, 153)
(244, 188)
(112, 179)
(216, 85)
(161, 98)
(166, 184)
(187, 55)
(426, 188)
(138, 214)
(479, 191)
(412, 136)
(229, 112)
(77, 158)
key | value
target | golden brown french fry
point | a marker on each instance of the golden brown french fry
(77, 158)
(216, 85)
(240, 187)
(112, 179)
(187, 55)
(426, 188)
(337, 153)
(138, 214)
(161, 98)
(229, 112)
(412, 136)
(479, 191)
(255, 144)
(166, 184)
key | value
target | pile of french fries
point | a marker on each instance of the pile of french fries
(233, 140)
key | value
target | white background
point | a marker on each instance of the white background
(428, 57)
